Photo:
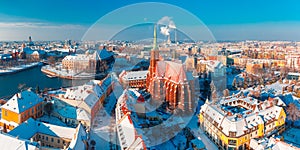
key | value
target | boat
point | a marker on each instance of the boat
(50, 76)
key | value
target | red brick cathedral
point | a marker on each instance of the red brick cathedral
(170, 82)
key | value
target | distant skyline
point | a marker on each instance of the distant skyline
(227, 20)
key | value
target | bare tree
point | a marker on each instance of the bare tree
(51, 61)
(234, 82)
(21, 86)
(214, 96)
(48, 108)
(226, 93)
(284, 71)
(293, 113)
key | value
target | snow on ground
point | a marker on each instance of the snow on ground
(292, 136)
(18, 68)
(103, 129)
(51, 120)
(276, 86)
(198, 133)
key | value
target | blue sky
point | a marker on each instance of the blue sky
(227, 20)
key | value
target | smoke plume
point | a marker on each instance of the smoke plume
(168, 24)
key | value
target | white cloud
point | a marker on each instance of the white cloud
(37, 25)
(40, 31)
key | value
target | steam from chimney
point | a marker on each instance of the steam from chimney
(165, 31)
(168, 25)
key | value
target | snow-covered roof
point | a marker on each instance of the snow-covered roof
(174, 71)
(35, 53)
(8, 142)
(82, 115)
(231, 121)
(127, 133)
(255, 145)
(102, 54)
(23, 101)
(78, 141)
(276, 86)
(77, 57)
(68, 112)
(88, 93)
(91, 100)
(70, 57)
(31, 127)
(212, 63)
(135, 75)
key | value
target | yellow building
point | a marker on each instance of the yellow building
(253, 67)
(233, 121)
(19, 108)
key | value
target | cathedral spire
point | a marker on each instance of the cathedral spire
(155, 38)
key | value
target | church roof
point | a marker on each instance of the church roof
(172, 70)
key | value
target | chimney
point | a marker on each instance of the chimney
(175, 36)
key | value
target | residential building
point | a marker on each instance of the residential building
(271, 144)
(51, 136)
(133, 79)
(254, 68)
(233, 121)
(9, 142)
(89, 97)
(19, 108)
(99, 61)
(216, 68)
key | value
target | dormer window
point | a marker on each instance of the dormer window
(232, 134)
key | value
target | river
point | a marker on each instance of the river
(31, 78)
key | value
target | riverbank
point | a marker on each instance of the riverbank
(32, 78)
(64, 74)
(20, 68)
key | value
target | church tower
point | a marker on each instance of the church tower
(153, 61)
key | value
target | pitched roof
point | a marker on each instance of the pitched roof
(232, 123)
(23, 101)
(85, 96)
(172, 70)
(135, 75)
(8, 142)
(102, 54)
(78, 140)
(29, 128)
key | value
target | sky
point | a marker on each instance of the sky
(225, 20)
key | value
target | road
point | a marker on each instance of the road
(209, 144)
